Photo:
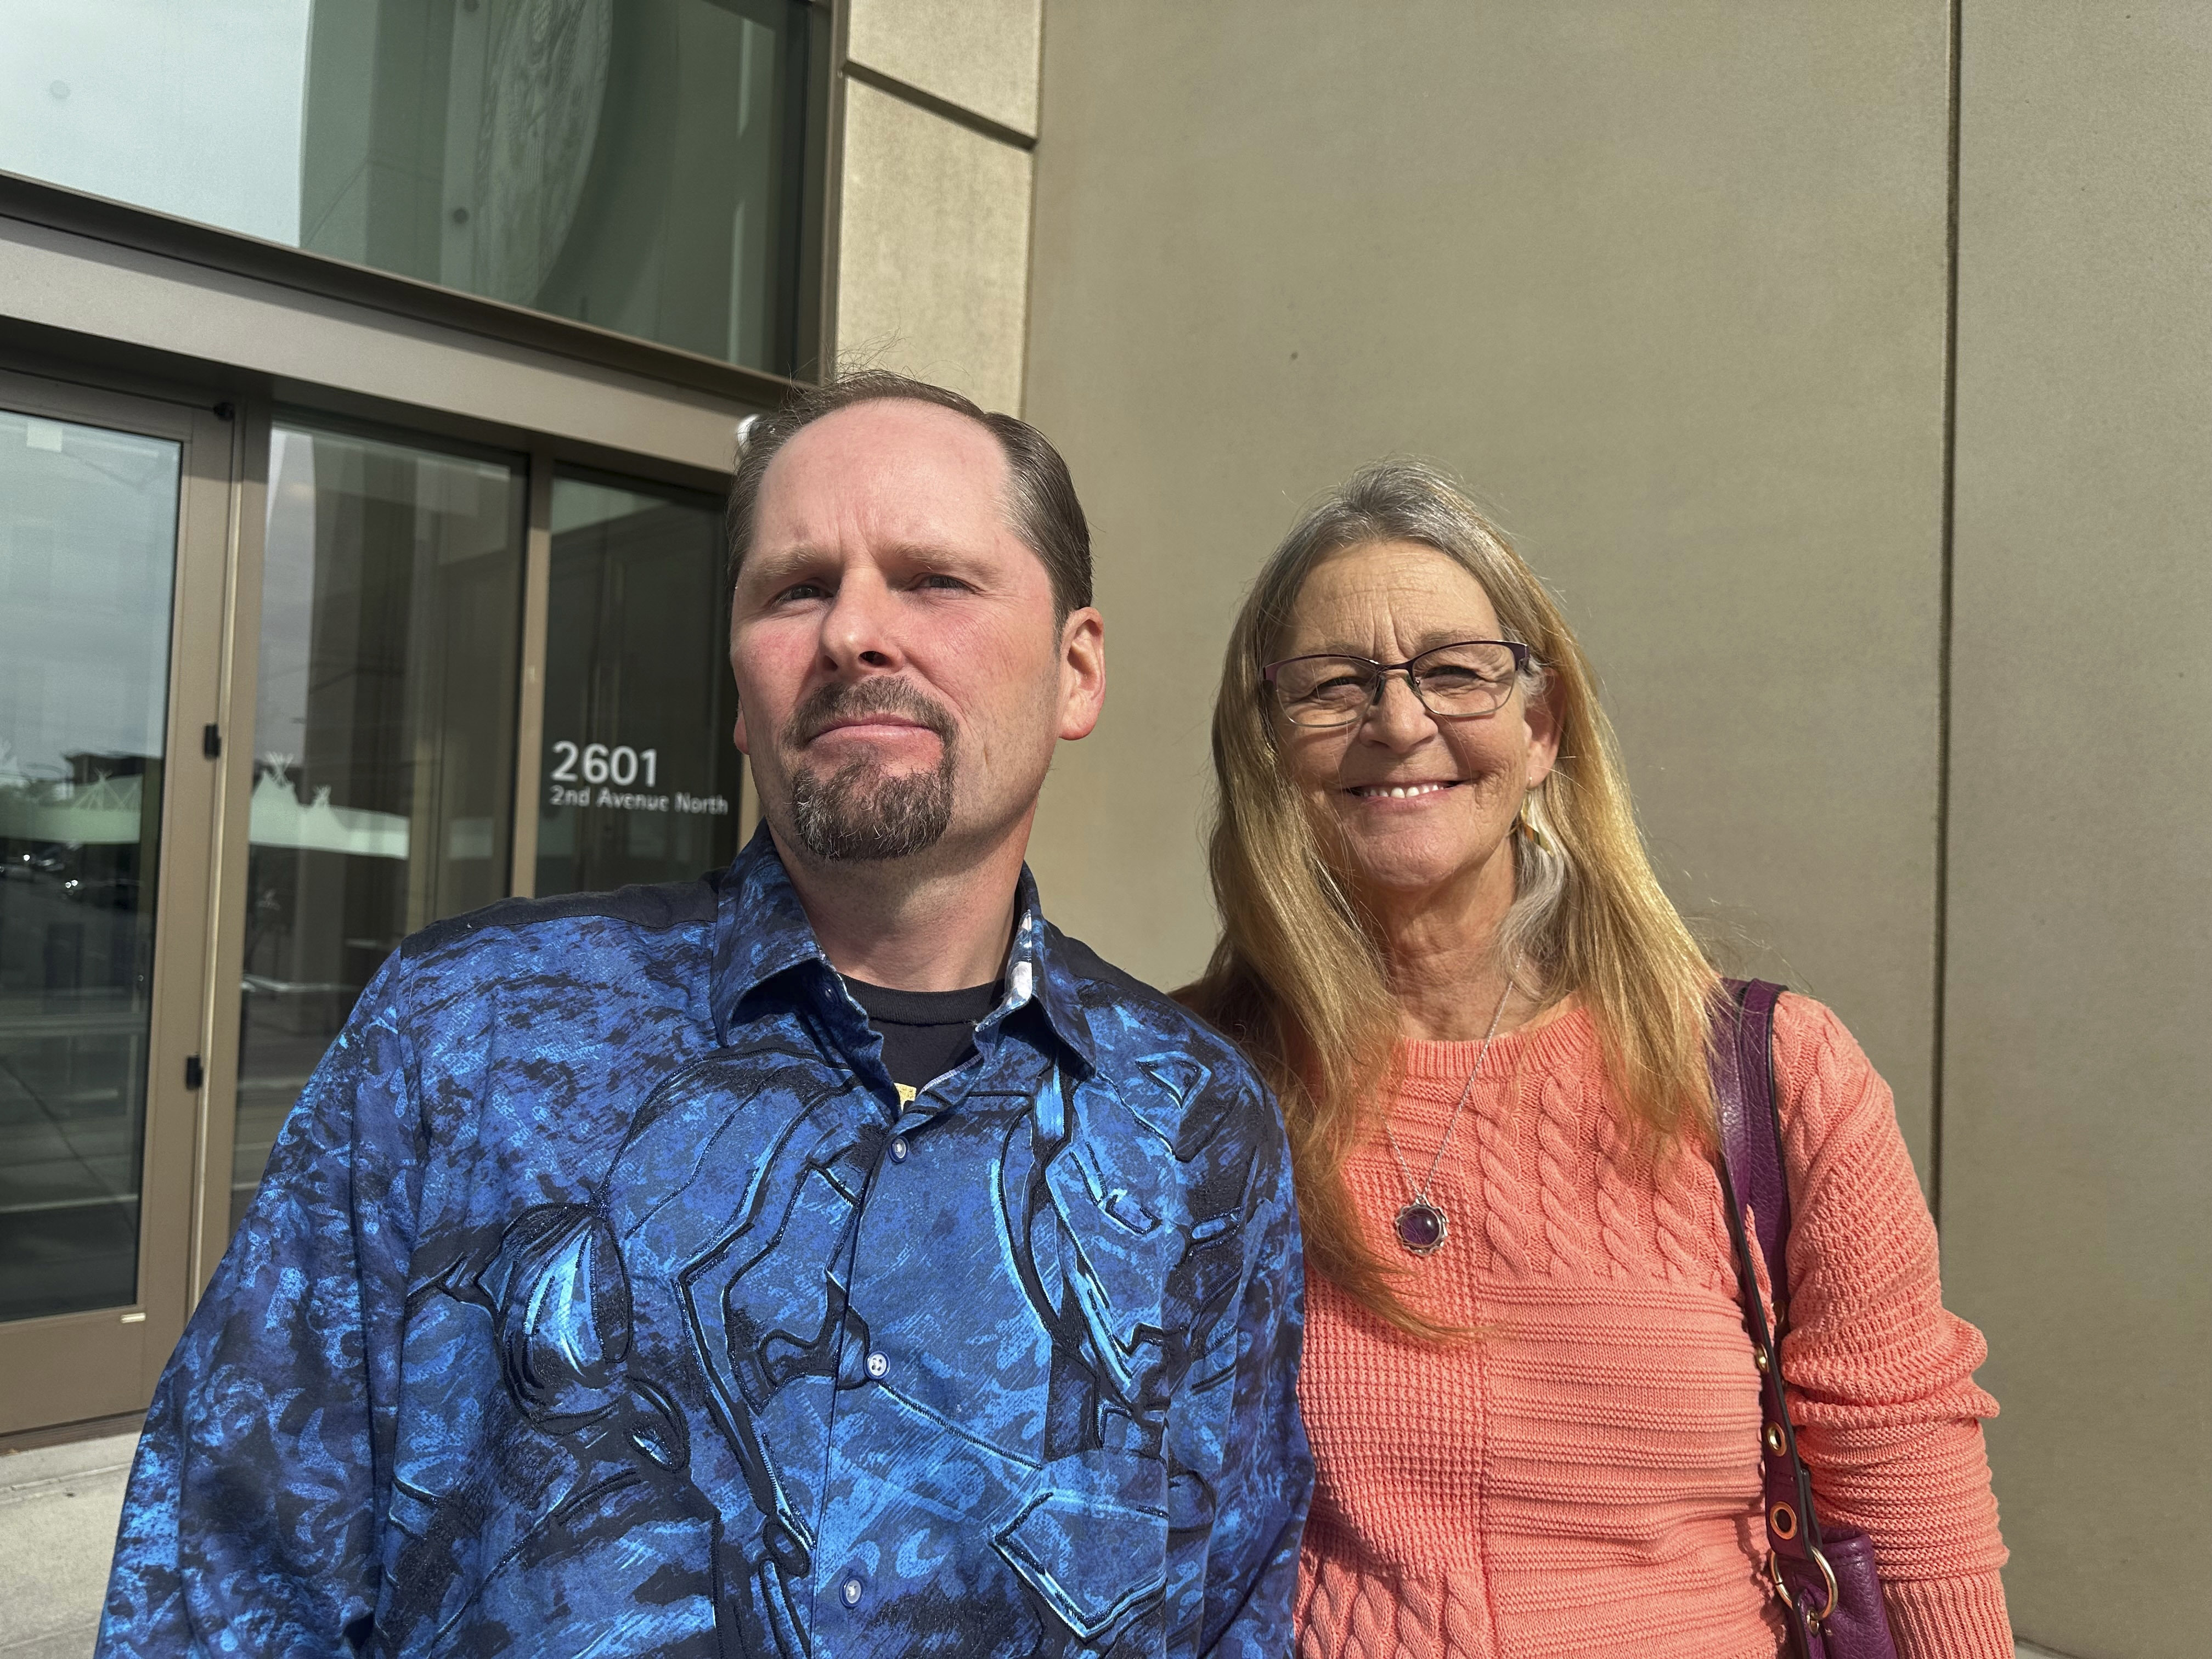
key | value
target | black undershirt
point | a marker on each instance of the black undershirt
(926, 1033)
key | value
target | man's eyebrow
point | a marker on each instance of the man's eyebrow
(805, 560)
(932, 552)
(771, 568)
(794, 553)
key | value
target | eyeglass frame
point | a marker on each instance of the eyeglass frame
(1522, 656)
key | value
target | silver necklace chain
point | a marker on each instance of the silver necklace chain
(1421, 1193)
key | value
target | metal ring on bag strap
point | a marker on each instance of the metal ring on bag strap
(1827, 1579)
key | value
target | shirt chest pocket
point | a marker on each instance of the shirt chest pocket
(1088, 1536)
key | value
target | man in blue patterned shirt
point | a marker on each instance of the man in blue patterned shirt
(829, 1257)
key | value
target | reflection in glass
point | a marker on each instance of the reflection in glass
(383, 736)
(639, 776)
(650, 167)
(87, 557)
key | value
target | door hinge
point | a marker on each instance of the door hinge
(195, 1074)
(211, 741)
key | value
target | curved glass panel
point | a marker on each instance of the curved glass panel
(650, 167)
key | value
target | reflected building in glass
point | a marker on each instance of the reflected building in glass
(640, 778)
(649, 167)
(87, 537)
(637, 165)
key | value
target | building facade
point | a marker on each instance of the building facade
(1844, 369)
(369, 378)
(369, 372)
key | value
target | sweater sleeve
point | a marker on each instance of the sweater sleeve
(1882, 1395)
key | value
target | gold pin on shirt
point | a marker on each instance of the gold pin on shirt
(907, 1091)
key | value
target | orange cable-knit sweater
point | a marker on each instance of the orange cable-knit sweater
(1584, 1479)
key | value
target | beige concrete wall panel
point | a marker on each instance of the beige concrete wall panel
(1666, 285)
(932, 248)
(113, 293)
(979, 54)
(2078, 1069)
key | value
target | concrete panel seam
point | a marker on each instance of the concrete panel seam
(933, 253)
(943, 107)
(981, 55)
(1946, 587)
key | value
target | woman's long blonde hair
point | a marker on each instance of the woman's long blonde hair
(1297, 978)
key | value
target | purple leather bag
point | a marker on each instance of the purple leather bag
(1824, 1577)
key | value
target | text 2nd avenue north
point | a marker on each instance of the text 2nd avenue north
(561, 795)
(600, 767)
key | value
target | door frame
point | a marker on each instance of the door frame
(82, 1367)
(230, 825)
(215, 641)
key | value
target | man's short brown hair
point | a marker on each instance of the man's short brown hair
(1040, 497)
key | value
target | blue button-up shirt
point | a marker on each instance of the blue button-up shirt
(602, 1296)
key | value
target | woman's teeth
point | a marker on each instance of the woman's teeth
(1398, 791)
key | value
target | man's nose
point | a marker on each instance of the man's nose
(1397, 718)
(861, 627)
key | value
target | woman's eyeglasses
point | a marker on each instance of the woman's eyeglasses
(1453, 682)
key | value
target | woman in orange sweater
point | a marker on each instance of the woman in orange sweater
(1527, 1379)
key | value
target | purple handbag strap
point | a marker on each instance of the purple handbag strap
(1751, 1129)
(1752, 1176)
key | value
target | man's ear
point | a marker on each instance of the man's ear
(1082, 672)
(737, 694)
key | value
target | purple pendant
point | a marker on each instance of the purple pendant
(1422, 1228)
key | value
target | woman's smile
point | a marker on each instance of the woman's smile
(1410, 790)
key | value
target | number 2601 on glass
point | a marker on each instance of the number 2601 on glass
(600, 764)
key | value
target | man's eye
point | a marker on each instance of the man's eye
(938, 580)
(802, 591)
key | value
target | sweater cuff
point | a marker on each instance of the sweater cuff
(1950, 1618)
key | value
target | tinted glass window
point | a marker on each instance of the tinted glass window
(645, 166)
(641, 778)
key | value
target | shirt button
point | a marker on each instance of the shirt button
(898, 1149)
(877, 1364)
(851, 1592)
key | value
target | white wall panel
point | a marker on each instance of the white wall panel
(934, 245)
(979, 54)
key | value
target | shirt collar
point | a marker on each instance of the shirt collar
(761, 931)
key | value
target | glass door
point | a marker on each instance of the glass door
(263, 692)
(640, 778)
(383, 767)
(113, 516)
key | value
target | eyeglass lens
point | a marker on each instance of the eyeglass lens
(1471, 677)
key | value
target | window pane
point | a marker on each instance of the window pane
(88, 556)
(383, 733)
(645, 166)
(640, 776)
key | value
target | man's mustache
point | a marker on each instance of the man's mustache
(845, 700)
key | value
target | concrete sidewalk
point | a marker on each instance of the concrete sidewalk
(59, 1507)
(58, 1512)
